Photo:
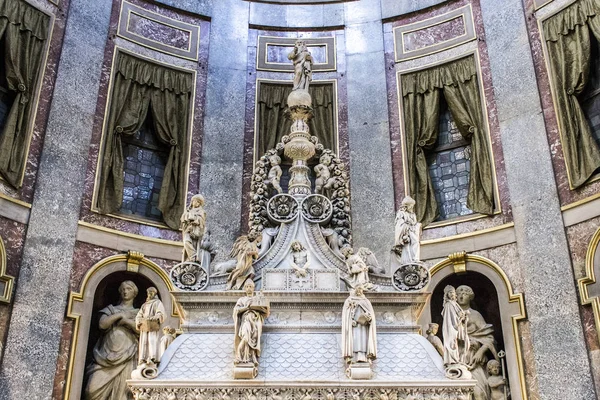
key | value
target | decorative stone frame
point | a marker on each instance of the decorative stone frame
(81, 305)
(6, 281)
(589, 289)
(512, 309)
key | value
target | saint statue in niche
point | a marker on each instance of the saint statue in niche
(249, 314)
(115, 353)
(148, 321)
(456, 341)
(193, 224)
(481, 339)
(408, 233)
(359, 336)
(303, 61)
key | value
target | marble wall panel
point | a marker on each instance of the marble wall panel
(392, 68)
(565, 194)
(273, 51)
(254, 74)
(115, 222)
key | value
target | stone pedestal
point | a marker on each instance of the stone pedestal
(244, 371)
(359, 371)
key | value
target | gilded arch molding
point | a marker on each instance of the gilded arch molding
(6, 281)
(512, 309)
(80, 305)
(589, 289)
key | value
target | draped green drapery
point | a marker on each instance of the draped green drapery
(457, 82)
(141, 87)
(272, 123)
(24, 30)
(567, 36)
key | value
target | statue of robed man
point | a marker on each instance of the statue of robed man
(359, 336)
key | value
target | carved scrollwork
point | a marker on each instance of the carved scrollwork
(282, 208)
(317, 208)
(410, 277)
(189, 276)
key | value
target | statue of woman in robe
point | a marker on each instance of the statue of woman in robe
(359, 336)
(303, 61)
(115, 353)
(408, 233)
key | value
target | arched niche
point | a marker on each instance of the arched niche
(6, 281)
(464, 269)
(589, 289)
(98, 287)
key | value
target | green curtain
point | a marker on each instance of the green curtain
(24, 30)
(567, 36)
(457, 81)
(272, 123)
(140, 87)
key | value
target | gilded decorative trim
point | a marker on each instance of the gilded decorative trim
(127, 9)
(190, 132)
(6, 281)
(590, 279)
(512, 298)
(466, 12)
(551, 79)
(336, 137)
(263, 64)
(475, 54)
(80, 297)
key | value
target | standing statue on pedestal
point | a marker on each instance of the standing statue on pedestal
(303, 61)
(456, 341)
(115, 353)
(482, 342)
(275, 173)
(148, 320)
(245, 252)
(193, 224)
(407, 233)
(359, 336)
(249, 314)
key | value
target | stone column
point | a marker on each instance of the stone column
(370, 149)
(560, 357)
(29, 363)
(223, 136)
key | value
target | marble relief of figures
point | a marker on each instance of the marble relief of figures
(359, 335)
(407, 233)
(303, 61)
(147, 321)
(115, 353)
(245, 251)
(193, 225)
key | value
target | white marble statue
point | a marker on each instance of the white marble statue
(249, 314)
(358, 273)
(275, 173)
(193, 225)
(148, 320)
(323, 182)
(482, 342)
(359, 336)
(454, 329)
(245, 252)
(166, 340)
(300, 258)
(407, 233)
(115, 354)
(433, 339)
(303, 61)
(268, 236)
(495, 381)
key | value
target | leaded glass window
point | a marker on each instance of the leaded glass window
(590, 98)
(145, 159)
(449, 168)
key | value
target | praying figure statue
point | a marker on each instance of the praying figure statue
(245, 251)
(323, 182)
(432, 331)
(358, 273)
(407, 233)
(275, 172)
(359, 336)
(193, 225)
(456, 341)
(300, 258)
(148, 320)
(302, 60)
(249, 314)
(115, 354)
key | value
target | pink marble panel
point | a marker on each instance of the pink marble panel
(431, 35)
